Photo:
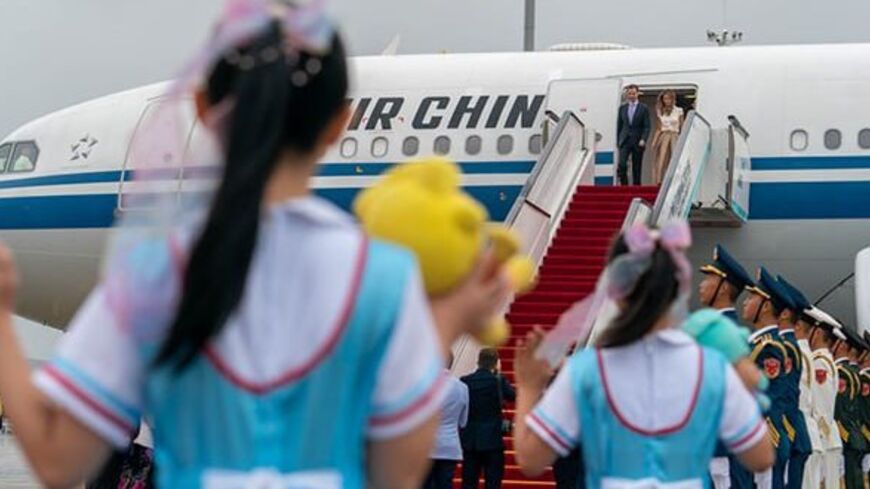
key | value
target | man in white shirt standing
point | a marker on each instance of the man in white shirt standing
(448, 449)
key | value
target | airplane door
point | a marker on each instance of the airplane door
(167, 130)
(596, 103)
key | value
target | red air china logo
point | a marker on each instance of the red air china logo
(821, 376)
(865, 390)
(842, 387)
(771, 368)
(788, 365)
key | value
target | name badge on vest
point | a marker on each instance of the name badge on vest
(270, 479)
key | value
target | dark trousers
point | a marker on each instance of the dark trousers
(440, 475)
(801, 449)
(568, 471)
(740, 477)
(636, 152)
(796, 465)
(854, 476)
(491, 462)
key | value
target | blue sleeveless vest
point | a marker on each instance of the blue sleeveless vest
(615, 451)
(314, 423)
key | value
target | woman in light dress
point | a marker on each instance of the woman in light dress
(670, 121)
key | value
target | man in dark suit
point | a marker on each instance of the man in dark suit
(633, 128)
(482, 444)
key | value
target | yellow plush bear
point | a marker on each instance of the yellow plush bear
(420, 206)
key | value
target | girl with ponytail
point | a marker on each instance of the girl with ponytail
(646, 404)
(268, 341)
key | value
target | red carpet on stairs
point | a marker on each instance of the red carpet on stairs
(568, 273)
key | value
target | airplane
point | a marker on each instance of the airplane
(63, 177)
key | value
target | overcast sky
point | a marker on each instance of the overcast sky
(59, 52)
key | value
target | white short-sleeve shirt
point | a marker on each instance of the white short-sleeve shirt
(302, 269)
(652, 383)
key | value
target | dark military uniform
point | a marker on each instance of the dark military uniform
(785, 397)
(729, 270)
(864, 411)
(848, 415)
(770, 355)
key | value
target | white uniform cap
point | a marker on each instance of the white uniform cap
(823, 317)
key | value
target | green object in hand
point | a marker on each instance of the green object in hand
(713, 330)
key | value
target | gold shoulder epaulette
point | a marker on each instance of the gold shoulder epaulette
(796, 353)
(828, 361)
(766, 342)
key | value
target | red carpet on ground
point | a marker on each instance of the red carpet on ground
(568, 273)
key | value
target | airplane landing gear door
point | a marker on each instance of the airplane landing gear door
(167, 130)
(596, 103)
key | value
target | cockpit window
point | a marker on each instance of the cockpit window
(24, 157)
(5, 152)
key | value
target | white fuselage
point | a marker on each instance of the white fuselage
(810, 198)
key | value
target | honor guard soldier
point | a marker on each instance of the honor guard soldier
(824, 334)
(724, 280)
(864, 375)
(761, 312)
(846, 413)
(803, 325)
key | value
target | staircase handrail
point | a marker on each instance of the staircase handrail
(564, 124)
(684, 174)
(737, 171)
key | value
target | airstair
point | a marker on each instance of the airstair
(567, 224)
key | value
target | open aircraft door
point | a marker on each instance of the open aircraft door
(163, 161)
(596, 103)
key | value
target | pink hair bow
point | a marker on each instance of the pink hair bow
(617, 282)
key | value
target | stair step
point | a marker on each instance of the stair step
(611, 224)
(599, 205)
(592, 256)
(575, 271)
(554, 285)
(567, 294)
(590, 211)
(533, 318)
(581, 236)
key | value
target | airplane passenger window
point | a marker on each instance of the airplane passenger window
(864, 139)
(5, 151)
(799, 140)
(410, 146)
(536, 143)
(348, 148)
(505, 144)
(442, 145)
(24, 157)
(380, 145)
(833, 139)
(473, 145)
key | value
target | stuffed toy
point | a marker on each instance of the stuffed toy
(420, 206)
(715, 331)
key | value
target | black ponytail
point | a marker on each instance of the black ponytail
(651, 298)
(272, 110)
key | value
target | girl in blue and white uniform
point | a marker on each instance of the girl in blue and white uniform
(647, 404)
(272, 344)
